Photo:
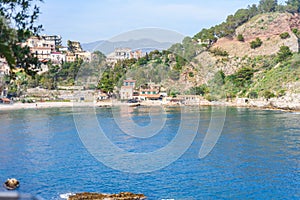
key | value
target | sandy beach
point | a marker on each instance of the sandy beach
(268, 105)
(19, 106)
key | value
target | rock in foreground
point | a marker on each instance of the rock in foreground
(97, 196)
(11, 184)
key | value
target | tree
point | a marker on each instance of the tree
(292, 6)
(268, 94)
(22, 15)
(284, 53)
(199, 90)
(242, 78)
(267, 6)
(174, 75)
(8, 37)
(219, 78)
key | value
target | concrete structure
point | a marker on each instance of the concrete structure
(57, 39)
(127, 90)
(84, 55)
(190, 99)
(149, 94)
(129, 82)
(136, 54)
(39, 47)
(124, 53)
(70, 57)
(150, 91)
(102, 96)
(57, 57)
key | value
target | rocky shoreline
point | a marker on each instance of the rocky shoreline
(284, 103)
(99, 196)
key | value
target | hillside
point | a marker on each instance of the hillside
(108, 47)
(268, 28)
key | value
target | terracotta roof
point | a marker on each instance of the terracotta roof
(5, 99)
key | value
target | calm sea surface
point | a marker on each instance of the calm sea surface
(256, 157)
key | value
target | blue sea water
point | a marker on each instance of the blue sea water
(256, 156)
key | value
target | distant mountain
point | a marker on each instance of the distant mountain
(91, 45)
(108, 47)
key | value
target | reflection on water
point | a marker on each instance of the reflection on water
(256, 157)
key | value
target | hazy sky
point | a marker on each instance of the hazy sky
(92, 20)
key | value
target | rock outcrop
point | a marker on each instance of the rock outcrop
(11, 184)
(268, 28)
(99, 196)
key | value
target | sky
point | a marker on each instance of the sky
(93, 20)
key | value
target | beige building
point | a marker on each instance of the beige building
(70, 57)
(127, 89)
(84, 55)
(126, 92)
(41, 48)
(57, 57)
(124, 53)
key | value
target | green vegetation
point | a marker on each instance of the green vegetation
(219, 52)
(296, 32)
(17, 23)
(292, 6)
(268, 95)
(284, 53)
(228, 27)
(284, 35)
(242, 16)
(199, 90)
(240, 38)
(256, 43)
(266, 6)
(180, 66)
(276, 79)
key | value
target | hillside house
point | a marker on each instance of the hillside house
(127, 90)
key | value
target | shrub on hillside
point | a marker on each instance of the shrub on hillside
(284, 53)
(240, 38)
(253, 95)
(199, 90)
(191, 74)
(219, 52)
(268, 95)
(284, 35)
(256, 43)
(296, 32)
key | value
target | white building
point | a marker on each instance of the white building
(126, 92)
(57, 57)
(57, 39)
(127, 89)
(124, 53)
(40, 48)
